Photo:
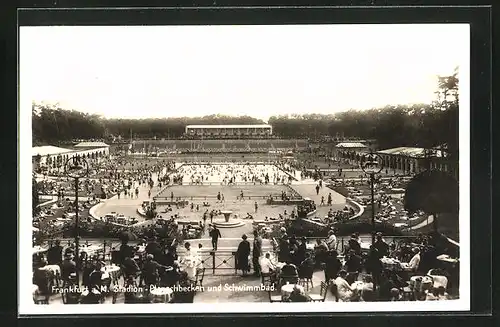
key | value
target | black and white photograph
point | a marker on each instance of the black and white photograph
(243, 168)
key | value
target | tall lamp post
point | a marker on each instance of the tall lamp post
(76, 168)
(372, 165)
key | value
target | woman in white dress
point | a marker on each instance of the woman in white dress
(344, 290)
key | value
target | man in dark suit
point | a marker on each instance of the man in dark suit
(354, 244)
(126, 251)
(215, 235)
(154, 247)
(68, 267)
(289, 273)
(381, 246)
(353, 266)
(54, 254)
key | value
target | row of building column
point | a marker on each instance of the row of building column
(410, 165)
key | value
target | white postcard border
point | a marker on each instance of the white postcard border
(27, 307)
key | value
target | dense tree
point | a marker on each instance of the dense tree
(422, 125)
(434, 192)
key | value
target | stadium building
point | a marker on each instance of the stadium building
(228, 131)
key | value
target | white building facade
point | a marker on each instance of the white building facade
(53, 157)
(228, 131)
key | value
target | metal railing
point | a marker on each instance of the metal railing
(214, 197)
(222, 260)
(215, 261)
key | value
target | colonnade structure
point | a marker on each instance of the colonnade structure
(408, 160)
(53, 157)
(413, 160)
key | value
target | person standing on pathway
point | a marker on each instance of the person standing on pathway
(205, 214)
(256, 253)
(317, 189)
(215, 234)
(242, 255)
(322, 200)
(256, 207)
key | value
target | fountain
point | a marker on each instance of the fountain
(227, 215)
(227, 223)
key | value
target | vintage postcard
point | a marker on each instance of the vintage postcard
(283, 168)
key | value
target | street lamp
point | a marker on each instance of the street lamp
(372, 165)
(76, 167)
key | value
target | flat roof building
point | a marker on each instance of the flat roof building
(229, 130)
(91, 145)
(351, 145)
(411, 152)
(412, 159)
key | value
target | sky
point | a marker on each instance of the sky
(174, 71)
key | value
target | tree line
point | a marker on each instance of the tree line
(422, 125)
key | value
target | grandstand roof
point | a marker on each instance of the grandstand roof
(91, 145)
(351, 145)
(48, 150)
(409, 152)
(228, 126)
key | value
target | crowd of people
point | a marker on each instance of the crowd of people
(230, 174)
(339, 216)
(400, 270)
(383, 271)
(106, 179)
(148, 263)
(58, 217)
(119, 176)
(285, 196)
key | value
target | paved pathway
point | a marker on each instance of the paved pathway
(128, 205)
(307, 188)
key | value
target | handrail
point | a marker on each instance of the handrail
(227, 255)
(288, 174)
(206, 197)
